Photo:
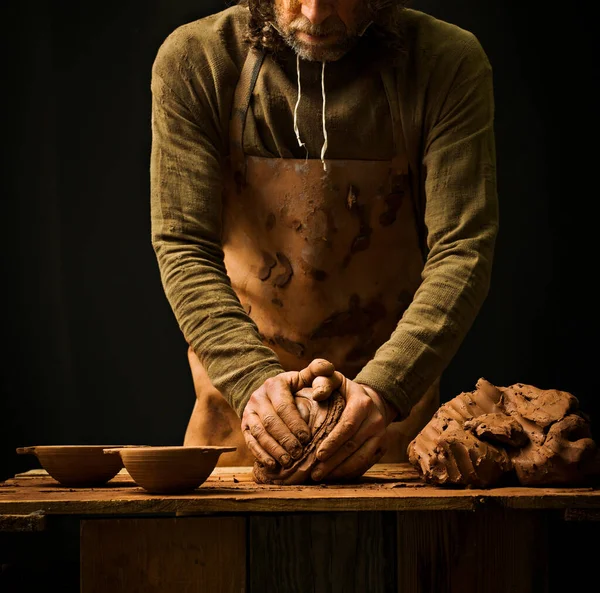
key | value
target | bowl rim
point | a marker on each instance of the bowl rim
(159, 448)
(33, 449)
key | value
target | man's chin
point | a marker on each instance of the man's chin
(319, 54)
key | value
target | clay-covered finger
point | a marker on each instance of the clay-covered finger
(284, 405)
(369, 428)
(353, 468)
(319, 367)
(350, 422)
(360, 461)
(277, 429)
(261, 455)
(255, 427)
(322, 469)
(323, 386)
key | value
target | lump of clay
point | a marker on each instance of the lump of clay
(321, 417)
(492, 434)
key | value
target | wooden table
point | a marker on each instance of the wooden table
(390, 532)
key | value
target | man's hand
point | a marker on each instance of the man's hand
(271, 423)
(358, 441)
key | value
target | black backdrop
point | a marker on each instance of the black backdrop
(92, 353)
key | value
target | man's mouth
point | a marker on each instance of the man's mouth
(316, 39)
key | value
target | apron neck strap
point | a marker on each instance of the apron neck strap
(241, 104)
(388, 77)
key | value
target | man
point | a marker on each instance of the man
(324, 214)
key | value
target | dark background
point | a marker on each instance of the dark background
(92, 352)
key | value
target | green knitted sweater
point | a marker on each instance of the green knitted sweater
(445, 92)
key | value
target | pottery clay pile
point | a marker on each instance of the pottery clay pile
(321, 418)
(492, 435)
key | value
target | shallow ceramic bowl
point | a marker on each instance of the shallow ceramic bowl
(171, 469)
(81, 466)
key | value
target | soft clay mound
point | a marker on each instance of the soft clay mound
(321, 417)
(492, 435)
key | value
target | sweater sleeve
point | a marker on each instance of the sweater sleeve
(461, 220)
(188, 147)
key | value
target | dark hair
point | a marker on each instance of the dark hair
(385, 14)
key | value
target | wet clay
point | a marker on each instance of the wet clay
(321, 417)
(494, 435)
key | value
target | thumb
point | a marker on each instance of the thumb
(319, 367)
(323, 387)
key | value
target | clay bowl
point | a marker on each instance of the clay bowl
(171, 469)
(78, 466)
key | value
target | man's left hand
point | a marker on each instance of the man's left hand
(358, 441)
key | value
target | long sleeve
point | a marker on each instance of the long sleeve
(188, 145)
(448, 111)
(458, 168)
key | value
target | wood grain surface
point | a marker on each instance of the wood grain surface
(388, 532)
(324, 552)
(393, 487)
(497, 551)
(192, 555)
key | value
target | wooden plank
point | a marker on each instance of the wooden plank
(324, 552)
(30, 523)
(497, 551)
(278, 500)
(394, 487)
(192, 555)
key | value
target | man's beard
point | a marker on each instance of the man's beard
(328, 51)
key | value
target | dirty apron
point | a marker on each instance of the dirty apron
(324, 261)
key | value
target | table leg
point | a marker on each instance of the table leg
(163, 555)
(495, 550)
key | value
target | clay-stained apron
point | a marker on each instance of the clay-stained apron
(324, 261)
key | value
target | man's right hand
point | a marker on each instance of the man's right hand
(271, 423)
